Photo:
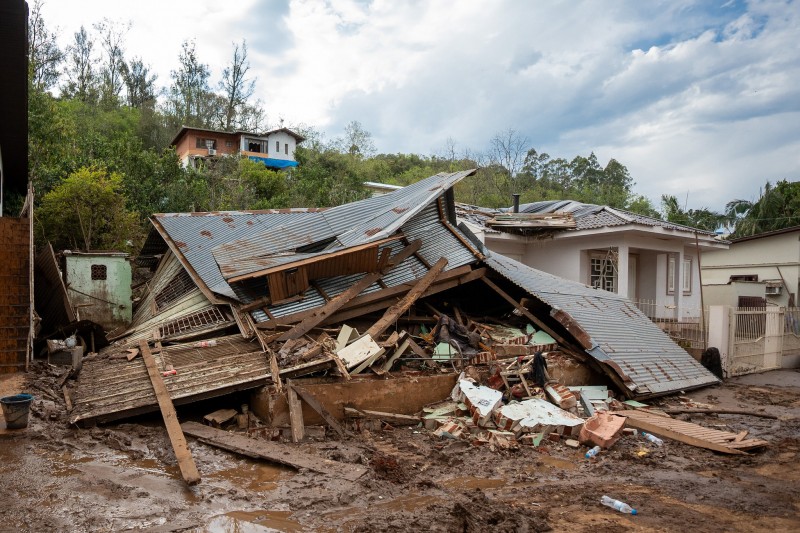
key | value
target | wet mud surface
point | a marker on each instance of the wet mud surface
(124, 477)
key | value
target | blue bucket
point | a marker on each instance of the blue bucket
(16, 409)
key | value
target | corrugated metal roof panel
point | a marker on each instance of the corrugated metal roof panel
(619, 330)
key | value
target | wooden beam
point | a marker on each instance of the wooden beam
(182, 452)
(403, 305)
(273, 452)
(447, 280)
(275, 371)
(295, 415)
(337, 302)
(318, 407)
(399, 420)
(530, 316)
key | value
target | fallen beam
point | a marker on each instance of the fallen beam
(182, 453)
(271, 451)
(391, 314)
(295, 415)
(336, 303)
(719, 412)
(392, 418)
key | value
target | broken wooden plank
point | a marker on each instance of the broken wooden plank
(67, 398)
(179, 445)
(339, 366)
(392, 418)
(315, 405)
(219, 417)
(391, 314)
(401, 349)
(272, 451)
(741, 435)
(688, 433)
(721, 412)
(132, 353)
(295, 415)
(275, 371)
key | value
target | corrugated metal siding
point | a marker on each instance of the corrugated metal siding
(437, 240)
(620, 332)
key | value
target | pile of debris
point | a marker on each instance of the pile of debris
(377, 306)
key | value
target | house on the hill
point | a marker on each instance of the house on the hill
(650, 261)
(274, 148)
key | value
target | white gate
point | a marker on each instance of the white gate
(756, 340)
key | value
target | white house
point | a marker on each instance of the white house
(772, 259)
(275, 148)
(650, 261)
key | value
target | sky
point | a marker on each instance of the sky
(700, 100)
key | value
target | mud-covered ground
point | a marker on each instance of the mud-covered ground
(124, 477)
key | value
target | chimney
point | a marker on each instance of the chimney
(516, 203)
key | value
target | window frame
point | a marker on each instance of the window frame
(602, 274)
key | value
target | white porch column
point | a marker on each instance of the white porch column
(719, 331)
(678, 295)
(622, 269)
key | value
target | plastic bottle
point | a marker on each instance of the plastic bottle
(593, 452)
(622, 507)
(652, 438)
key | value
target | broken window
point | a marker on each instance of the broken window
(744, 277)
(180, 285)
(603, 272)
(253, 146)
(99, 272)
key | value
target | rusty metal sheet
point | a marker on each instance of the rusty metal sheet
(622, 337)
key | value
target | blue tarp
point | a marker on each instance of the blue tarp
(273, 163)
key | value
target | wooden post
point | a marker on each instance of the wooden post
(275, 371)
(295, 414)
(318, 407)
(391, 314)
(182, 453)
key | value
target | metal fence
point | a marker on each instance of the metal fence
(688, 331)
(756, 339)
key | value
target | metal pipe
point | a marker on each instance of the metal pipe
(516, 203)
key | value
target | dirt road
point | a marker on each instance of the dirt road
(124, 477)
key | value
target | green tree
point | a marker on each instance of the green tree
(87, 212)
(777, 207)
(703, 218)
(189, 98)
(82, 83)
(236, 111)
(44, 55)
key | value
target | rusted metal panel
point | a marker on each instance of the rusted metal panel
(14, 293)
(622, 337)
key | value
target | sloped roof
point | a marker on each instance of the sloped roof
(623, 339)
(220, 246)
(591, 216)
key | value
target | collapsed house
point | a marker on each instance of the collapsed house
(240, 300)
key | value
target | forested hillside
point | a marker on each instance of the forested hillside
(100, 158)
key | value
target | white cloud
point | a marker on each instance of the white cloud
(689, 95)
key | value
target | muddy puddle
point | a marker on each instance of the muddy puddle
(252, 522)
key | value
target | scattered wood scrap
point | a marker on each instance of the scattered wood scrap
(319, 408)
(688, 433)
(720, 412)
(271, 451)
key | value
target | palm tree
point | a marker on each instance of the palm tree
(777, 207)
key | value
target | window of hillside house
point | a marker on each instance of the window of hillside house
(99, 272)
(203, 143)
(686, 275)
(254, 147)
(603, 272)
(286, 148)
(229, 144)
(277, 147)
